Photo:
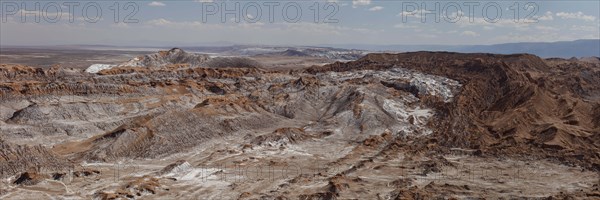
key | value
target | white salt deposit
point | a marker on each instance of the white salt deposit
(427, 84)
(404, 113)
(95, 68)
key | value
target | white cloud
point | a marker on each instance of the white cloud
(50, 17)
(469, 33)
(376, 8)
(584, 28)
(546, 28)
(454, 15)
(577, 15)
(156, 3)
(159, 22)
(416, 13)
(546, 17)
(356, 3)
(501, 23)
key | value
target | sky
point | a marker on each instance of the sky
(321, 22)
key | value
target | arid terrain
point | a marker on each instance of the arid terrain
(303, 124)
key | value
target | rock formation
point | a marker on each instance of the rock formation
(387, 126)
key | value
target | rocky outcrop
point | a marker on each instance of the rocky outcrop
(173, 59)
(16, 159)
(507, 102)
(165, 58)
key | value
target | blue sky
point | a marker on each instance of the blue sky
(167, 23)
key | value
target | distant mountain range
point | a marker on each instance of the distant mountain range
(563, 49)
